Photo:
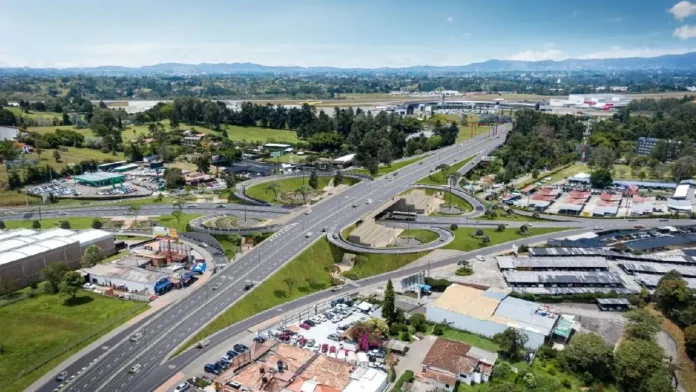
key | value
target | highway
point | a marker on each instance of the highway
(174, 325)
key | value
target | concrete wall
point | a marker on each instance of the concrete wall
(480, 327)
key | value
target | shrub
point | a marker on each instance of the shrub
(438, 330)
(464, 271)
(454, 227)
(392, 374)
(96, 223)
(535, 215)
(396, 328)
(64, 225)
(405, 336)
(352, 275)
(35, 224)
(566, 383)
(501, 371)
(437, 285)
(500, 228)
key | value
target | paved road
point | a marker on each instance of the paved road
(155, 209)
(174, 325)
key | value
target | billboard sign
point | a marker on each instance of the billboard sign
(161, 231)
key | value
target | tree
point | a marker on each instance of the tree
(603, 157)
(501, 228)
(179, 204)
(53, 275)
(511, 342)
(91, 257)
(56, 155)
(454, 227)
(314, 180)
(2, 225)
(35, 224)
(290, 283)
(444, 171)
(203, 163)
(338, 178)
(212, 114)
(96, 223)
(65, 225)
(690, 340)
(418, 322)
(134, 210)
(389, 306)
(273, 188)
(38, 151)
(671, 291)
(8, 150)
(304, 191)
(72, 283)
(588, 353)
(501, 371)
(178, 214)
(635, 361)
(684, 168)
(174, 178)
(642, 324)
(601, 178)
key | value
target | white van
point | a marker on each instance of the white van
(309, 234)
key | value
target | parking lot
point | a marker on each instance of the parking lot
(67, 189)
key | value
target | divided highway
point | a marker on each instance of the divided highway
(174, 325)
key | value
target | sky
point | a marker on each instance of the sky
(341, 33)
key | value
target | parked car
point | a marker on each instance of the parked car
(332, 350)
(302, 342)
(184, 386)
(480, 258)
(240, 348)
(88, 286)
(311, 343)
(231, 354)
(333, 337)
(62, 376)
(305, 326)
(221, 206)
(210, 368)
(324, 348)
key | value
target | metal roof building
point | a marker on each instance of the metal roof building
(99, 178)
(133, 278)
(551, 263)
(561, 278)
(650, 281)
(23, 252)
(492, 311)
(657, 269)
(605, 211)
(574, 290)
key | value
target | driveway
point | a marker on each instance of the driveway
(416, 353)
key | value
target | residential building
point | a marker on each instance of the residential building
(448, 362)
(192, 140)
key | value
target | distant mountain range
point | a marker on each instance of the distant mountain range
(667, 62)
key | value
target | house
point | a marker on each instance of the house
(448, 362)
(192, 140)
(25, 148)
(8, 133)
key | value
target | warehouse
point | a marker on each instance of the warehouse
(657, 269)
(568, 252)
(562, 279)
(22, 264)
(651, 281)
(509, 263)
(613, 304)
(23, 252)
(124, 278)
(490, 312)
(574, 290)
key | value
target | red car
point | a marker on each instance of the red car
(284, 337)
(333, 349)
(640, 226)
(303, 342)
(324, 348)
(305, 326)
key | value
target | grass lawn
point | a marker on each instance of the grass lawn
(465, 242)
(49, 223)
(558, 174)
(18, 199)
(145, 201)
(380, 263)
(436, 178)
(264, 135)
(288, 185)
(388, 169)
(423, 236)
(307, 270)
(287, 158)
(511, 218)
(35, 327)
(466, 337)
(34, 114)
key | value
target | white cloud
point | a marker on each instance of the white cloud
(683, 10)
(531, 55)
(616, 52)
(450, 19)
(685, 32)
(466, 34)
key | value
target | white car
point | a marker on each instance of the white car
(88, 286)
(480, 258)
(307, 212)
(599, 228)
(135, 368)
(369, 201)
(322, 318)
(192, 206)
(62, 213)
(183, 387)
(203, 343)
(308, 234)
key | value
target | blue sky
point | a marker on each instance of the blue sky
(344, 33)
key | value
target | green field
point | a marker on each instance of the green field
(49, 323)
(263, 135)
(288, 185)
(380, 263)
(35, 115)
(287, 158)
(557, 174)
(512, 218)
(436, 178)
(394, 166)
(79, 223)
(466, 337)
(465, 242)
(306, 270)
(423, 236)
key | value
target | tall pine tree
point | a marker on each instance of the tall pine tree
(388, 308)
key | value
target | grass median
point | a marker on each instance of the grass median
(464, 241)
(437, 178)
(386, 169)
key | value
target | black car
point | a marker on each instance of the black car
(310, 322)
(240, 348)
(231, 354)
(259, 339)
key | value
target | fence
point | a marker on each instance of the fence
(34, 360)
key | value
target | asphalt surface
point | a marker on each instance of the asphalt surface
(156, 209)
(174, 325)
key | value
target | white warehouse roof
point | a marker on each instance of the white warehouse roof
(16, 233)
(345, 158)
(34, 249)
(91, 236)
(681, 192)
(15, 243)
(57, 232)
